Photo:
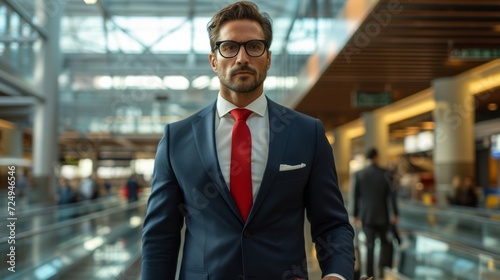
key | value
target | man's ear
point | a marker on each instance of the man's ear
(213, 61)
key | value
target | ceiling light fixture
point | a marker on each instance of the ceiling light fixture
(90, 2)
(492, 106)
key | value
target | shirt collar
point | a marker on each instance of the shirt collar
(258, 106)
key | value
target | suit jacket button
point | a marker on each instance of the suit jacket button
(246, 233)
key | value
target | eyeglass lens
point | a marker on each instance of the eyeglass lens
(253, 48)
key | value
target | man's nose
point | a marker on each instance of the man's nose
(242, 56)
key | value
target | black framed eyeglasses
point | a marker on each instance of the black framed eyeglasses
(230, 49)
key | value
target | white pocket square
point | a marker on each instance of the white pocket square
(287, 167)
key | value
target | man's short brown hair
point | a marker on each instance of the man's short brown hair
(236, 11)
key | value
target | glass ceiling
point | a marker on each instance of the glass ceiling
(165, 35)
(132, 66)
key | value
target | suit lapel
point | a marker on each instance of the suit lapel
(204, 135)
(279, 128)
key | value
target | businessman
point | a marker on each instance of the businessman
(375, 208)
(241, 175)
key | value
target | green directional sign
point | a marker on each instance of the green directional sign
(475, 53)
(372, 99)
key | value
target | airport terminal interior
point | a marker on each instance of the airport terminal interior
(87, 87)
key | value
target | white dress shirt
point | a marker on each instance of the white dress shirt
(258, 123)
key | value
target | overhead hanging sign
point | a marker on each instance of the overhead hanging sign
(475, 53)
(372, 99)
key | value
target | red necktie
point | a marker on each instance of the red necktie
(241, 151)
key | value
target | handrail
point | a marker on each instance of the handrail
(478, 219)
(455, 245)
(75, 206)
(460, 226)
(469, 250)
(462, 209)
(76, 221)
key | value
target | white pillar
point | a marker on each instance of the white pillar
(454, 133)
(376, 135)
(47, 67)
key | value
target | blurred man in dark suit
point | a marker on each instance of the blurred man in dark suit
(374, 197)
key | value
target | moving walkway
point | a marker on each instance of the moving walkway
(94, 240)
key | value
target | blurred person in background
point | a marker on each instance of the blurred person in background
(22, 184)
(465, 192)
(108, 186)
(65, 192)
(132, 188)
(88, 188)
(374, 202)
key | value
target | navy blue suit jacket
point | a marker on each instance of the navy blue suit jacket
(188, 186)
